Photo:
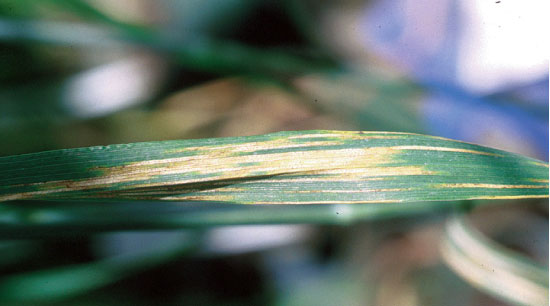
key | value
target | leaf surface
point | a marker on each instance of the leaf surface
(304, 167)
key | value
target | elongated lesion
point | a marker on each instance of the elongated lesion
(490, 186)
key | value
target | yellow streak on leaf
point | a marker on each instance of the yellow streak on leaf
(224, 189)
(213, 198)
(285, 143)
(350, 135)
(31, 194)
(352, 175)
(349, 191)
(328, 202)
(226, 166)
(223, 165)
(228, 198)
(539, 180)
(510, 197)
(492, 186)
(536, 163)
(319, 179)
(443, 149)
(280, 143)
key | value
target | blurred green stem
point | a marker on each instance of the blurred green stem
(31, 219)
(194, 52)
(69, 281)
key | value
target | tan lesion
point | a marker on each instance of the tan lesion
(364, 190)
(339, 138)
(443, 149)
(536, 163)
(352, 135)
(510, 197)
(539, 180)
(326, 202)
(222, 165)
(490, 186)
(229, 198)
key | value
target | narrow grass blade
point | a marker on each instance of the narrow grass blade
(196, 52)
(305, 167)
(19, 219)
(63, 282)
(492, 268)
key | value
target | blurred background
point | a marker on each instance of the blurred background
(81, 73)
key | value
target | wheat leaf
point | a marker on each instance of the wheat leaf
(305, 167)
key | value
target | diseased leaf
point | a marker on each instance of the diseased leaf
(305, 167)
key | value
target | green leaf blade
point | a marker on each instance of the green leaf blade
(305, 167)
